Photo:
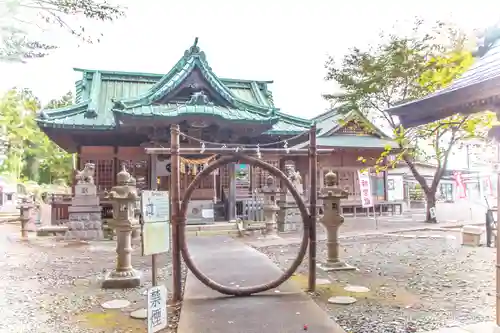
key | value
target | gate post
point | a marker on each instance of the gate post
(282, 199)
(175, 193)
(313, 172)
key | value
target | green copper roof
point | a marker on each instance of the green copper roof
(76, 116)
(179, 110)
(331, 121)
(193, 59)
(102, 95)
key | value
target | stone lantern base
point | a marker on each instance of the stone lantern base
(336, 266)
(122, 280)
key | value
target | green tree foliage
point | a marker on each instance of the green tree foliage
(22, 19)
(401, 69)
(30, 154)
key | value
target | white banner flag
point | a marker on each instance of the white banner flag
(365, 189)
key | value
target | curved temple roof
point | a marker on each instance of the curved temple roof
(105, 98)
(102, 96)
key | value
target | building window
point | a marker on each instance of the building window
(445, 192)
(139, 170)
(377, 184)
(103, 177)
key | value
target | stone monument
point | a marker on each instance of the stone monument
(332, 220)
(270, 207)
(124, 197)
(85, 213)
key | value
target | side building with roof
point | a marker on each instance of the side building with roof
(118, 114)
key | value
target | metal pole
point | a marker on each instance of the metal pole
(313, 165)
(153, 184)
(175, 202)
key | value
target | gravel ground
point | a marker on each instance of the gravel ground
(416, 284)
(48, 286)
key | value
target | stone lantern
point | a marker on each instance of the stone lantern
(270, 190)
(124, 197)
(25, 210)
(331, 195)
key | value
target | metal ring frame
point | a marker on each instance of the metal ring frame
(242, 291)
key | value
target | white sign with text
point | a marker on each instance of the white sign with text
(365, 189)
(155, 208)
(157, 308)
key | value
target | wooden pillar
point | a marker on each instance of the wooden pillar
(175, 202)
(232, 192)
(77, 167)
(251, 171)
(153, 179)
(218, 184)
(282, 199)
(116, 167)
(313, 196)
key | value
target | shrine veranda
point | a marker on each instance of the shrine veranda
(117, 115)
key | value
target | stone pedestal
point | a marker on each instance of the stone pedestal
(25, 212)
(124, 197)
(471, 235)
(84, 215)
(270, 207)
(124, 276)
(332, 220)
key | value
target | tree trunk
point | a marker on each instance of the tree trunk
(430, 213)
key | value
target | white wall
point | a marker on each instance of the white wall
(395, 188)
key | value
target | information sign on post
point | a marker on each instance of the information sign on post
(155, 209)
(157, 308)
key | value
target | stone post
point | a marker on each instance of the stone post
(332, 220)
(85, 222)
(25, 214)
(270, 207)
(124, 197)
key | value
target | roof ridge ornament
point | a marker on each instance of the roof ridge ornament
(199, 98)
(194, 51)
(487, 39)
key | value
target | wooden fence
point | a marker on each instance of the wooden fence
(250, 209)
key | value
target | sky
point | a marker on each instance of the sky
(284, 41)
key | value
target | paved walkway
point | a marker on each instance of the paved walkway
(293, 238)
(230, 262)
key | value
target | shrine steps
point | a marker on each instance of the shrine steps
(218, 228)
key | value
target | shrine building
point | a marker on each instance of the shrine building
(117, 115)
